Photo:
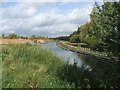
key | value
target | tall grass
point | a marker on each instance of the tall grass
(0, 73)
(27, 66)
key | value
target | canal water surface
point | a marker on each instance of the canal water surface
(68, 56)
(106, 72)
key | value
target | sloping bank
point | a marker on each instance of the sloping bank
(28, 66)
(99, 55)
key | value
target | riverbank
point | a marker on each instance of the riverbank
(87, 51)
(28, 66)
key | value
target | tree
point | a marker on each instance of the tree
(33, 37)
(3, 36)
(106, 22)
(85, 31)
(111, 25)
(94, 43)
(104, 27)
(75, 39)
(13, 36)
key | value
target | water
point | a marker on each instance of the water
(107, 73)
(68, 56)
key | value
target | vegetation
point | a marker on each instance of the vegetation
(103, 31)
(94, 43)
(75, 39)
(15, 36)
(27, 66)
(38, 37)
(99, 74)
(88, 51)
(63, 38)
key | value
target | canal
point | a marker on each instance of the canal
(67, 55)
(107, 73)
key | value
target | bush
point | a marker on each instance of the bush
(94, 43)
(78, 76)
(75, 39)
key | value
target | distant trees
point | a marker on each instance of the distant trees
(13, 36)
(38, 37)
(33, 37)
(10, 36)
(3, 36)
(23, 37)
(64, 38)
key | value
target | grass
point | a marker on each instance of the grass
(0, 67)
(27, 66)
(87, 51)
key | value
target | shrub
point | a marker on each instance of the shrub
(75, 39)
(94, 43)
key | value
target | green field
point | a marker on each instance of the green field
(27, 66)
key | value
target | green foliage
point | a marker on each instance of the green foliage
(75, 39)
(13, 36)
(94, 43)
(79, 76)
(86, 30)
(3, 36)
(99, 77)
(38, 37)
(105, 26)
(63, 38)
(27, 66)
(106, 22)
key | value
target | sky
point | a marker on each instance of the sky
(51, 19)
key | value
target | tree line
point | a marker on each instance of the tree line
(15, 36)
(102, 33)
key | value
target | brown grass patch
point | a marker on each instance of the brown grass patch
(19, 41)
(14, 41)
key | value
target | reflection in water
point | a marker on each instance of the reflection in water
(67, 55)
(108, 73)
(101, 73)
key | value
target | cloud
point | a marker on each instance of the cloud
(57, 0)
(46, 19)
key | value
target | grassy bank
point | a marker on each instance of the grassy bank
(100, 55)
(27, 66)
